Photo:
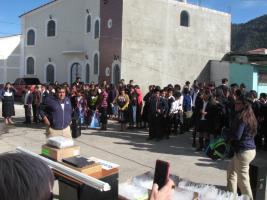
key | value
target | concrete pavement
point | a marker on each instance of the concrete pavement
(129, 149)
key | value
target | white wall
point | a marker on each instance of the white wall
(71, 36)
(157, 50)
(9, 58)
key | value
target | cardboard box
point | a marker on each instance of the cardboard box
(59, 154)
(88, 170)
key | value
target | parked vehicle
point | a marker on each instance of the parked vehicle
(21, 83)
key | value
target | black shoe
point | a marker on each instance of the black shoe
(150, 138)
(194, 144)
(167, 137)
(158, 139)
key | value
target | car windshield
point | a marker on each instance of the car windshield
(31, 81)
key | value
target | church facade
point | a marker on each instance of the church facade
(151, 42)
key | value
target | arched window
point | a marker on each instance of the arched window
(96, 63)
(31, 37)
(51, 28)
(50, 74)
(75, 71)
(30, 66)
(184, 18)
(97, 29)
(87, 75)
(88, 24)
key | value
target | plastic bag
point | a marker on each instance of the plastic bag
(60, 142)
(95, 121)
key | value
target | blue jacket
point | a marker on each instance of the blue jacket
(58, 118)
(187, 103)
(241, 136)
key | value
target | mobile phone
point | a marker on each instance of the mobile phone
(162, 172)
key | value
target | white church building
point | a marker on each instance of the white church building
(150, 41)
(10, 59)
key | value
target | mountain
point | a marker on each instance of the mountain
(250, 35)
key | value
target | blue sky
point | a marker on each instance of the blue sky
(241, 10)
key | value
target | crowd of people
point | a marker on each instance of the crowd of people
(164, 111)
(203, 108)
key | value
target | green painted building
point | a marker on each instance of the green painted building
(250, 69)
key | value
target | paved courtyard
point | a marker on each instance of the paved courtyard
(129, 149)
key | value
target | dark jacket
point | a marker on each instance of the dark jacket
(241, 136)
(158, 103)
(59, 118)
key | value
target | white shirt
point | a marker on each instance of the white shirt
(177, 105)
(8, 93)
(62, 106)
(26, 97)
(205, 103)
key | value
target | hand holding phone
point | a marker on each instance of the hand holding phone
(162, 172)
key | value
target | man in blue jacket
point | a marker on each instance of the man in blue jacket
(56, 113)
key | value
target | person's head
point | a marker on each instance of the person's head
(206, 95)
(92, 86)
(263, 97)
(27, 88)
(122, 81)
(7, 85)
(187, 83)
(170, 92)
(224, 81)
(170, 86)
(36, 88)
(131, 82)
(24, 177)
(78, 79)
(43, 88)
(177, 87)
(252, 94)
(163, 93)
(242, 86)
(243, 106)
(137, 87)
(157, 91)
(122, 91)
(61, 92)
(177, 94)
(238, 93)
(150, 88)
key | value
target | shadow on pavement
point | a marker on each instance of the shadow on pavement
(176, 145)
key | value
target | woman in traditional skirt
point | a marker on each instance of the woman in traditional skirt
(122, 100)
(7, 95)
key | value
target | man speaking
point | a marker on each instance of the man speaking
(56, 113)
